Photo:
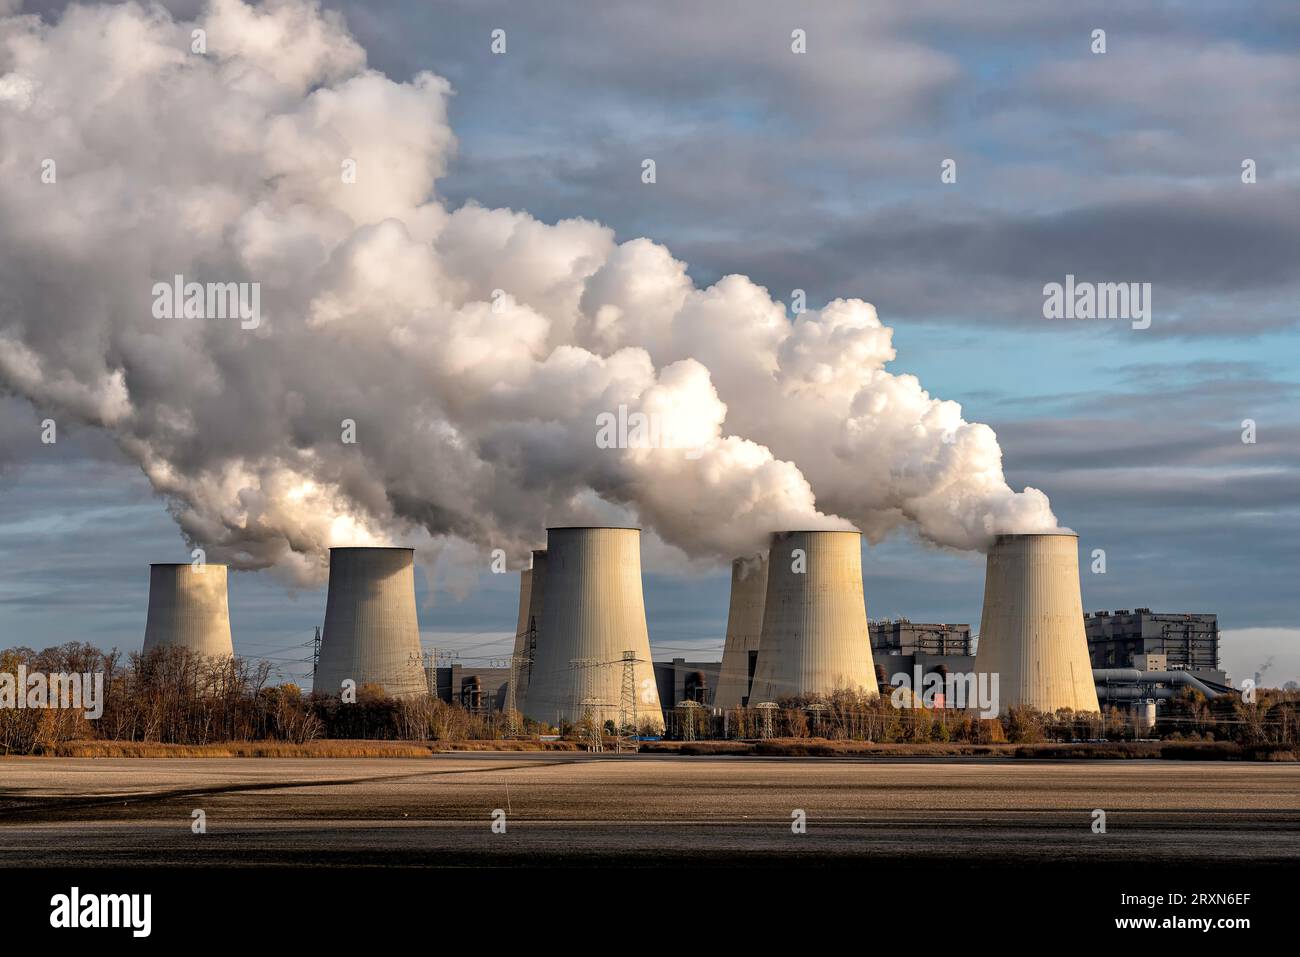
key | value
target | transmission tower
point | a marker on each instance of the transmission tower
(627, 702)
(768, 711)
(315, 655)
(586, 701)
(686, 716)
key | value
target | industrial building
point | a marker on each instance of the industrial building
(744, 631)
(1149, 640)
(592, 657)
(1031, 629)
(188, 608)
(814, 636)
(372, 633)
(481, 690)
(681, 680)
(900, 645)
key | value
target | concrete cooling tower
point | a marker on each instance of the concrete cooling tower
(593, 613)
(814, 638)
(371, 631)
(744, 629)
(532, 593)
(1031, 632)
(188, 609)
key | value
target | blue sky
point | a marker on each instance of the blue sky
(822, 172)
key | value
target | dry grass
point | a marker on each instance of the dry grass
(789, 747)
(284, 749)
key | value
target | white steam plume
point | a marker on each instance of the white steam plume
(473, 348)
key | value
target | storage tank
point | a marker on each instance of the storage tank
(188, 608)
(1031, 631)
(814, 635)
(593, 613)
(744, 630)
(372, 634)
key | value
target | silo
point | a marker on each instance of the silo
(814, 637)
(744, 629)
(1031, 632)
(372, 634)
(593, 616)
(188, 609)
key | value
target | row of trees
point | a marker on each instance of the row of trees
(175, 696)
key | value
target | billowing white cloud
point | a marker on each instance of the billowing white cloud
(475, 350)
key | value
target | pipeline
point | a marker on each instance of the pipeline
(1121, 684)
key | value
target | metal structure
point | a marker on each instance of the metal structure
(372, 633)
(627, 730)
(593, 611)
(768, 710)
(744, 630)
(188, 609)
(1031, 631)
(686, 718)
(815, 637)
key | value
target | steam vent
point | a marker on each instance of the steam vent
(372, 634)
(814, 637)
(188, 609)
(1031, 632)
(744, 629)
(594, 612)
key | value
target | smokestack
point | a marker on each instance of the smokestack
(744, 629)
(814, 636)
(188, 609)
(1031, 632)
(593, 613)
(372, 634)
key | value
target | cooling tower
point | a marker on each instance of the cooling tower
(371, 631)
(532, 591)
(1031, 632)
(188, 609)
(744, 629)
(593, 612)
(814, 637)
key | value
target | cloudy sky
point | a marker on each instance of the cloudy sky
(821, 171)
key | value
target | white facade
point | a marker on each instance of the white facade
(188, 608)
(372, 633)
(814, 637)
(593, 612)
(1031, 631)
(744, 630)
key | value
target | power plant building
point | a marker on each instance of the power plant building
(899, 646)
(592, 658)
(744, 631)
(814, 636)
(188, 608)
(372, 633)
(1031, 630)
(1142, 639)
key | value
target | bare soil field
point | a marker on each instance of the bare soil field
(579, 809)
